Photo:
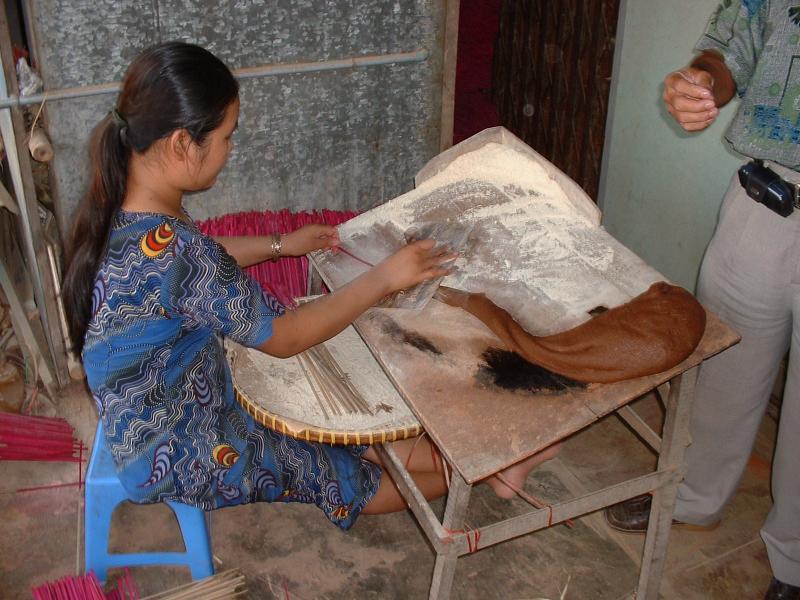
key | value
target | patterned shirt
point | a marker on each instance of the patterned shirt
(163, 296)
(758, 40)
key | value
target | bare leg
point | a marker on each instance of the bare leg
(426, 467)
(417, 454)
(388, 499)
(517, 473)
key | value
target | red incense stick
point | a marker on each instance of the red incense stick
(351, 255)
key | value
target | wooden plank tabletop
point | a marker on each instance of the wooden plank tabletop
(482, 417)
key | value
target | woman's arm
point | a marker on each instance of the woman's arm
(247, 250)
(253, 249)
(320, 320)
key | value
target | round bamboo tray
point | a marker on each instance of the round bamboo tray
(335, 393)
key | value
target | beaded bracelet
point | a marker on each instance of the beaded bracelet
(275, 246)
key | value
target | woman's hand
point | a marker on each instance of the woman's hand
(309, 238)
(413, 264)
(317, 321)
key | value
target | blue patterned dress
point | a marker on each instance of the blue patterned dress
(163, 296)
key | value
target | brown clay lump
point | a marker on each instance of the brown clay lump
(651, 333)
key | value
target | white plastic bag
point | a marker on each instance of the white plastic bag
(29, 81)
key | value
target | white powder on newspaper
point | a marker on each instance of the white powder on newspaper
(494, 163)
(531, 250)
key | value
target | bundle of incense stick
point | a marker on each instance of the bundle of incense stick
(87, 587)
(37, 438)
(228, 584)
(338, 393)
(284, 279)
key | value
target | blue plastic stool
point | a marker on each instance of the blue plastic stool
(104, 492)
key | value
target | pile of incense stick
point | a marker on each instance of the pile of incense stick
(37, 438)
(287, 278)
(222, 586)
(338, 393)
(87, 587)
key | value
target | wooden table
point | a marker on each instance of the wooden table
(481, 430)
(536, 246)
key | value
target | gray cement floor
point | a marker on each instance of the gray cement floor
(291, 551)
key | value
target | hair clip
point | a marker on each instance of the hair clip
(117, 118)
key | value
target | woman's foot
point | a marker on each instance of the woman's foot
(517, 473)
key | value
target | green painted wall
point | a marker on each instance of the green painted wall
(661, 188)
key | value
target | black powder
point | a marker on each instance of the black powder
(404, 336)
(510, 371)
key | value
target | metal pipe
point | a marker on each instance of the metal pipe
(268, 70)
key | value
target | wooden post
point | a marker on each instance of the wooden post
(14, 136)
(449, 59)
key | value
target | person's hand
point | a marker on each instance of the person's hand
(689, 98)
(309, 238)
(413, 264)
(452, 296)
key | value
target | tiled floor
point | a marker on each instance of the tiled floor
(291, 551)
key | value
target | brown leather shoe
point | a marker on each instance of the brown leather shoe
(782, 591)
(633, 516)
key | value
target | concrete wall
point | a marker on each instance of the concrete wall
(340, 139)
(661, 188)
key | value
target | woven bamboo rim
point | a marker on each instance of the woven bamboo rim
(308, 433)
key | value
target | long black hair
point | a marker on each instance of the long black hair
(167, 87)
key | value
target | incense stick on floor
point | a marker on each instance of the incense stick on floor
(222, 586)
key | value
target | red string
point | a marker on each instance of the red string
(533, 501)
(351, 255)
(450, 533)
(80, 464)
(51, 486)
(473, 537)
(434, 458)
(477, 534)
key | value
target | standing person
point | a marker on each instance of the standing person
(750, 275)
(148, 296)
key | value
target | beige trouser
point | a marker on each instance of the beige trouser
(750, 277)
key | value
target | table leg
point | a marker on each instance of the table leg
(454, 514)
(674, 440)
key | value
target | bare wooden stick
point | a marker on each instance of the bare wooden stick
(335, 380)
(333, 404)
(314, 370)
(311, 384)
(217, 587)
(323, 379)
(343, 378)
(324, 361)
